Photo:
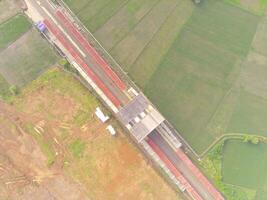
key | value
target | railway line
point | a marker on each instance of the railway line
(135, 112)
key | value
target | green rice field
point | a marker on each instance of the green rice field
(202, 66)
(26, 59)
(257, 7)
(24, 54)
(244, 165)
(13, 28)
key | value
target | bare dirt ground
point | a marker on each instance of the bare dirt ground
(36, 135)
(23, 166)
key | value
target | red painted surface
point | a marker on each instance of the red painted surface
(212, 190)
(90, 50)
(57, 33)
(191, 191)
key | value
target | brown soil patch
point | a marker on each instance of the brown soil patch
(23, 166)
(50, 105)
(110, 168)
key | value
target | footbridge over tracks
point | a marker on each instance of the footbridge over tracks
(140, 117)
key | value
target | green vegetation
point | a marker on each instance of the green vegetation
(4, 88)
(12, 29)
(257, 7)
(67, 66)
(251, 139)
(249, 115)
(200, 69)
(26, 59)
(147, 62)
(45, 145)
(199, 57)
(212, 166)
(77, 148)
(244, 165)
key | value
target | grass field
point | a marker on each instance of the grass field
(107, 167)
(208, 61)
(255, 6)
(244, 165)
(25, 59)
(12, 29)
(201, 68)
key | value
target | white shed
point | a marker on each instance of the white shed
(101, 115)
(111, 130)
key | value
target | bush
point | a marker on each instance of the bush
(77, 147)
(14, 90)
(252, 139)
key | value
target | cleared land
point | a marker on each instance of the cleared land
(244, 165)
(108, 167)
(24, 171)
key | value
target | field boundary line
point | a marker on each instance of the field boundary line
(13, 42)
(85, 6)
(153, 37)
(106, 4)
(117, 10)
(228, 136)
(130, 30)
(140, 18)
(10, 18)
(103, 50)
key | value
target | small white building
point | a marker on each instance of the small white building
(111, 130)
(101, 115)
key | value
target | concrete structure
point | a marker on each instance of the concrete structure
(140, 117)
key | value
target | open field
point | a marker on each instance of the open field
(244, 165)
(255, 6)
(108, 167)
(195, 56)
(12, 29)
(26, 59)
(24, 171)
(201, 68)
